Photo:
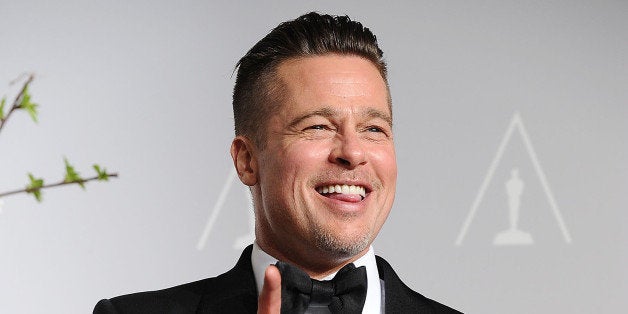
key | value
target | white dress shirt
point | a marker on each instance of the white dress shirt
(260, 260)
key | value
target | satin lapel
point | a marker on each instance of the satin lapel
(234, 291)
(398, 297)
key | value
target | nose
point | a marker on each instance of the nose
(348, 151)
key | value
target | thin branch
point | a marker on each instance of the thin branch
(17, 101)
(46, 186)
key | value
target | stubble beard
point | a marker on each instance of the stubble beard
(339, 246)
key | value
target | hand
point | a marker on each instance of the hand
(269, 301)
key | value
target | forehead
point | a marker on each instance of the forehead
(333, 80)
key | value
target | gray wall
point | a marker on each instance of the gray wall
(144, 88)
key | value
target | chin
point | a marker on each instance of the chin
(342, 246)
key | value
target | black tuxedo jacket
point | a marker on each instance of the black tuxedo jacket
(235, 292)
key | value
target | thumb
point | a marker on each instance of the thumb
(269, 301)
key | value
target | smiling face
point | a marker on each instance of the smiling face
(324, 183)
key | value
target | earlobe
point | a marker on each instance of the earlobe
(244, 160)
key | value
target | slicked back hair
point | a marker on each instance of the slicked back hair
(258, 90)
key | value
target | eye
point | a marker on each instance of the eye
(374, 129)
(376, 132)
(377, 129)
(317, 127)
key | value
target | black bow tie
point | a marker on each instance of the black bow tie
(345, 293)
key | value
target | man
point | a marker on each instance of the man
(314, 143)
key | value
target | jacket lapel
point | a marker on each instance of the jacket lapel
(398, 297)
(234, 291)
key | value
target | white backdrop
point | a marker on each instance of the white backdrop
(144, 88)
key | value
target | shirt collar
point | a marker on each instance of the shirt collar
(260, 261)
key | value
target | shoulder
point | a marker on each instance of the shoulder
(235, 286)
(179, 299)
(400, 298)
(186, 298)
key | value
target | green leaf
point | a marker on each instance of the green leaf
(34, 187)
(27, 105)
(102, 173)
(71, 176)
(2, 103)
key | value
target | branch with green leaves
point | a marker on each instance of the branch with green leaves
(35, 185)
(21, 102)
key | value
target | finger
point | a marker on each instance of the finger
(269, 301)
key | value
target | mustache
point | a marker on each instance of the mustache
(344, 175)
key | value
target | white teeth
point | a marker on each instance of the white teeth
(343, 189)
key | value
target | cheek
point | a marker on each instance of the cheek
(291, 166)
(385, 163)
(306, 154)
(311, 148)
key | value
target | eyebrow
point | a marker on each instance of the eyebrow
(329, 112)
(323, 112)
(374, 113)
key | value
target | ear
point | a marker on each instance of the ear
(244, 159)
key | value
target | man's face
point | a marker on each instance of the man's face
(327, 174)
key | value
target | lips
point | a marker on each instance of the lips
(344, 192)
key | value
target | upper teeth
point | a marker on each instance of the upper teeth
(343, 189)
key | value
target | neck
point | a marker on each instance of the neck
(316, 264)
